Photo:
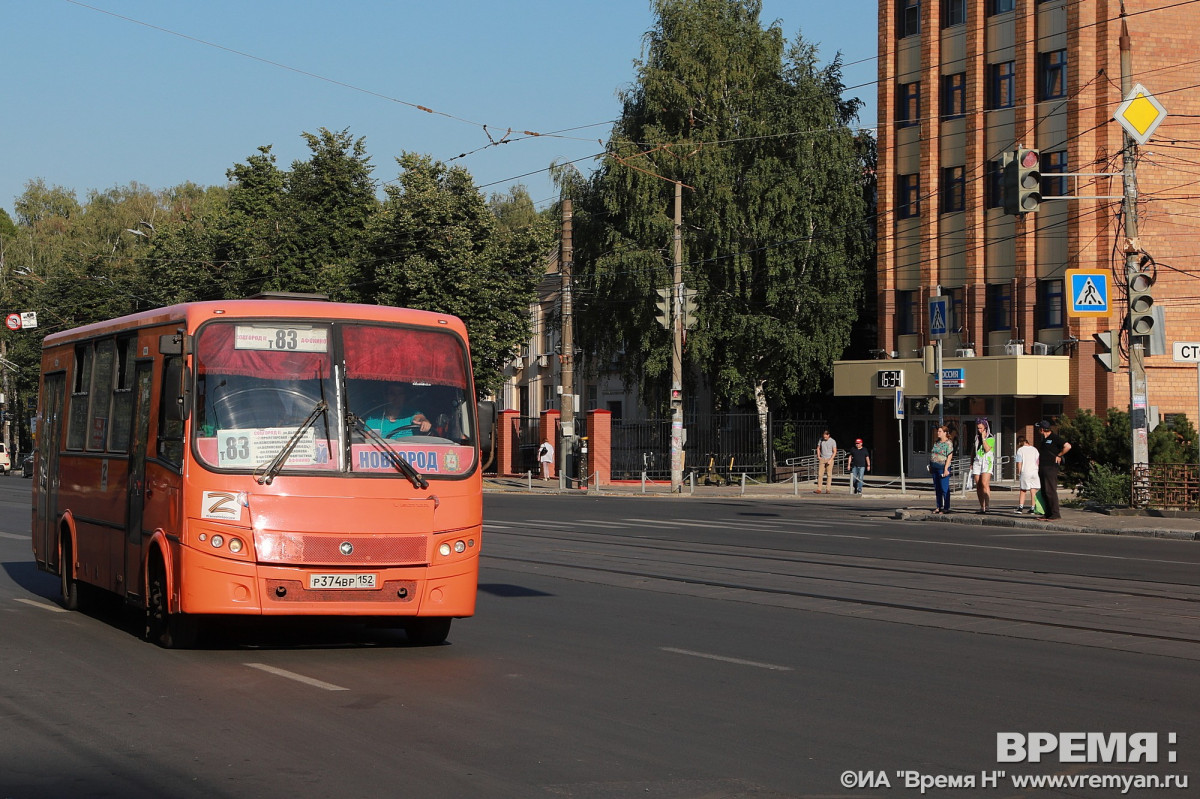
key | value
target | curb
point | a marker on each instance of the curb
(907, 514)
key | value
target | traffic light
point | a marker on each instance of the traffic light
(1022, 182)
(1107, 345)
(1142, 319)
(690, 306)
(662, 310)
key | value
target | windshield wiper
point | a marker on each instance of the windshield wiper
(273, 467)
(403, 466)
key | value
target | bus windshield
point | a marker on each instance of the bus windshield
(332, 397)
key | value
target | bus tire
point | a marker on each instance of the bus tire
(427, 632)
(68, 586)
(168, 630)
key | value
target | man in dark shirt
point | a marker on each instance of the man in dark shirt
(860, 464)
(1050, 455)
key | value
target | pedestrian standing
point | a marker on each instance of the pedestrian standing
(546, 459)
(1027, 473)
(1050, 455)
(860, 464)
(941, 457)
(983, 463)
(826, 452)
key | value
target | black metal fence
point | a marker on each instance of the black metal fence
(726, 444)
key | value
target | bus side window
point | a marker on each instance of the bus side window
(170, 421)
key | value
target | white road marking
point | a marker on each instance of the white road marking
(291, 675)
(44, 606)
(723, 659)
(15, 537)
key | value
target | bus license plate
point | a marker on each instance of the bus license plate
(351, 581)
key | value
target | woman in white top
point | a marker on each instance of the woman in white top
(983, 463)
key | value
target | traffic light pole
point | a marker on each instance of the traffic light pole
(1138, 404)
(677, 348)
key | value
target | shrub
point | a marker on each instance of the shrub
(1106, 486)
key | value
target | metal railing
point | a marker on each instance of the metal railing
(726, 444)
(1166, 486)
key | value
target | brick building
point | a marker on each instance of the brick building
(961, 82)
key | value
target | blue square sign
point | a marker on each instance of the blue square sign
(939, 317)
(1087, 292)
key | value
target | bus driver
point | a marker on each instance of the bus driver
(396, 419)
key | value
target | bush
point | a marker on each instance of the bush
(1106, 486)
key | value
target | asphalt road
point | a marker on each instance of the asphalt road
(633, 647)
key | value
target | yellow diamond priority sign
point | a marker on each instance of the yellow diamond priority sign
(1140, 114)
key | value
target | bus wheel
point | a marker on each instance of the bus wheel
(68, 585)
(427, 632)
(168, 630)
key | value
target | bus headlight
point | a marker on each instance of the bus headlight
(444, 550)
(460, 547)
(235, 545)
(217, 541)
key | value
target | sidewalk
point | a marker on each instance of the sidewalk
(883, 493)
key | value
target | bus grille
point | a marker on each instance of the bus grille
(326, 550)
(294, 591)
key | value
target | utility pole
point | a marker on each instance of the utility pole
(567, 337)
(677, 348)
(1138, 403)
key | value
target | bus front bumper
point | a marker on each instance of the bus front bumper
(217, 585)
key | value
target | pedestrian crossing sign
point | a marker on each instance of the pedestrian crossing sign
(939, 317)
(1087, 292)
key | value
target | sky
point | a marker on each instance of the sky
(105, 93)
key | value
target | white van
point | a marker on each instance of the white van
(5, 461)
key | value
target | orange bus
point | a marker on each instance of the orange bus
(271, 456)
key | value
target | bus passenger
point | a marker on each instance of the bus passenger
(396, 419)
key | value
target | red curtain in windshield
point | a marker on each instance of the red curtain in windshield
(404, 354)
(215, 353)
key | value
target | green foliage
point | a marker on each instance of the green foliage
(435, 243)
(1108, 442)
(1106, 486)
(775, 240)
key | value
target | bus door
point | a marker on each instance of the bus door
(139, 436)
(49, 442)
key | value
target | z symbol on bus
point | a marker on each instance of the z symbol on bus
(221, 505)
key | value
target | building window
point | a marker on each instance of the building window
(909, 23)
(1050, 303)
(999, 306)
(1002, 85)
(954, 189)
(1054, 162)
(1000, 6)
(956, 308)
(908, 196)
(1052, 75)
(994, 185)
(954, 12)
(908, 112)
(906, 312)
(954, 95)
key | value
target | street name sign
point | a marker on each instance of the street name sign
(1187, 351)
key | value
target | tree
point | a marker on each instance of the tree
(774, 216)
(436, 246)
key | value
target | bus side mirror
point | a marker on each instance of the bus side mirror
(487, 428)
(175, 393)
(178, 343)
